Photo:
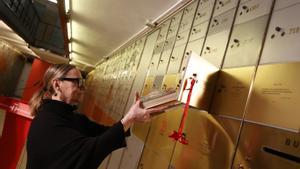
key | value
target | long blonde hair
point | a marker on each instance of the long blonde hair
(46, 91)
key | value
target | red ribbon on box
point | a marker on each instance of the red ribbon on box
(179, 135)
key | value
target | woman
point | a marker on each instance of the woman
(59, 138)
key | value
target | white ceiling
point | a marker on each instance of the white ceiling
(101, 26)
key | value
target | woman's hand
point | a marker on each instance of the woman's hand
(137, 113)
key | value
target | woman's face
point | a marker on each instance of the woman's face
(71, 87)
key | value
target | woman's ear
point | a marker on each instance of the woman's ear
(56, 85)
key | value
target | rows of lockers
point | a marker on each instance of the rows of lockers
(253, 111)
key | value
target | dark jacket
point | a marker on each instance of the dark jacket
(61, 139)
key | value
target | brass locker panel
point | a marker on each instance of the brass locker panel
(198, 31)
(194, 46)
(175, 20)
(232, 91)
(169, 43)
(158, 147)
(210, 146)
(275, 97)
(153, 64)
(217, 38)
(115, 159)
(280, 4)
(189, 11)
(252, 9)
(187, 17)
(205, 81)
(157, 83)
(158, 48)
(223, 6)
(132, 153)
(175, 60)
(267, 148)
(163, 62)
(182, 38)
(171, 82)
(282, 41)
(173, 30)
(163, 31)
(186, 24)
(204, 11)
(148, 85)
(245, 43)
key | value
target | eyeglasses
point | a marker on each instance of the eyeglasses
(79, 81)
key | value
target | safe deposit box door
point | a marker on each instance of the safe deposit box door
(132, 153)
(205, 81)
(175, 60)
(275, 101)
(217, 38)
(282, 41)
(204, 11)
(224, 5)
(194, 46)
(267, 148)
(159, 147)
(232, 91)
(209, 144)
(245, 43)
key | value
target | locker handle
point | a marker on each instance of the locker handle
(221, 3)
(278, 29)
(245, 7)
(236, 41)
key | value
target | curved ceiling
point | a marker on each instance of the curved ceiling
(101, 26)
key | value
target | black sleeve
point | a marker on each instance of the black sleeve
(88, 152)
(95, 129)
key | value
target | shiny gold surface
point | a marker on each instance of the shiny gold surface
(148, 85)
(205, 80)
(141, 130)
(210, 146)
(158, 147)
(171, 82)
(276, 95)
(257, 143)
(232, 91)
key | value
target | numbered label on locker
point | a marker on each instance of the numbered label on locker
(198, 31)
(224, 5)
(282, 41)
(253, 9)
(217, 38)
(245, 43)
(189, 11)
